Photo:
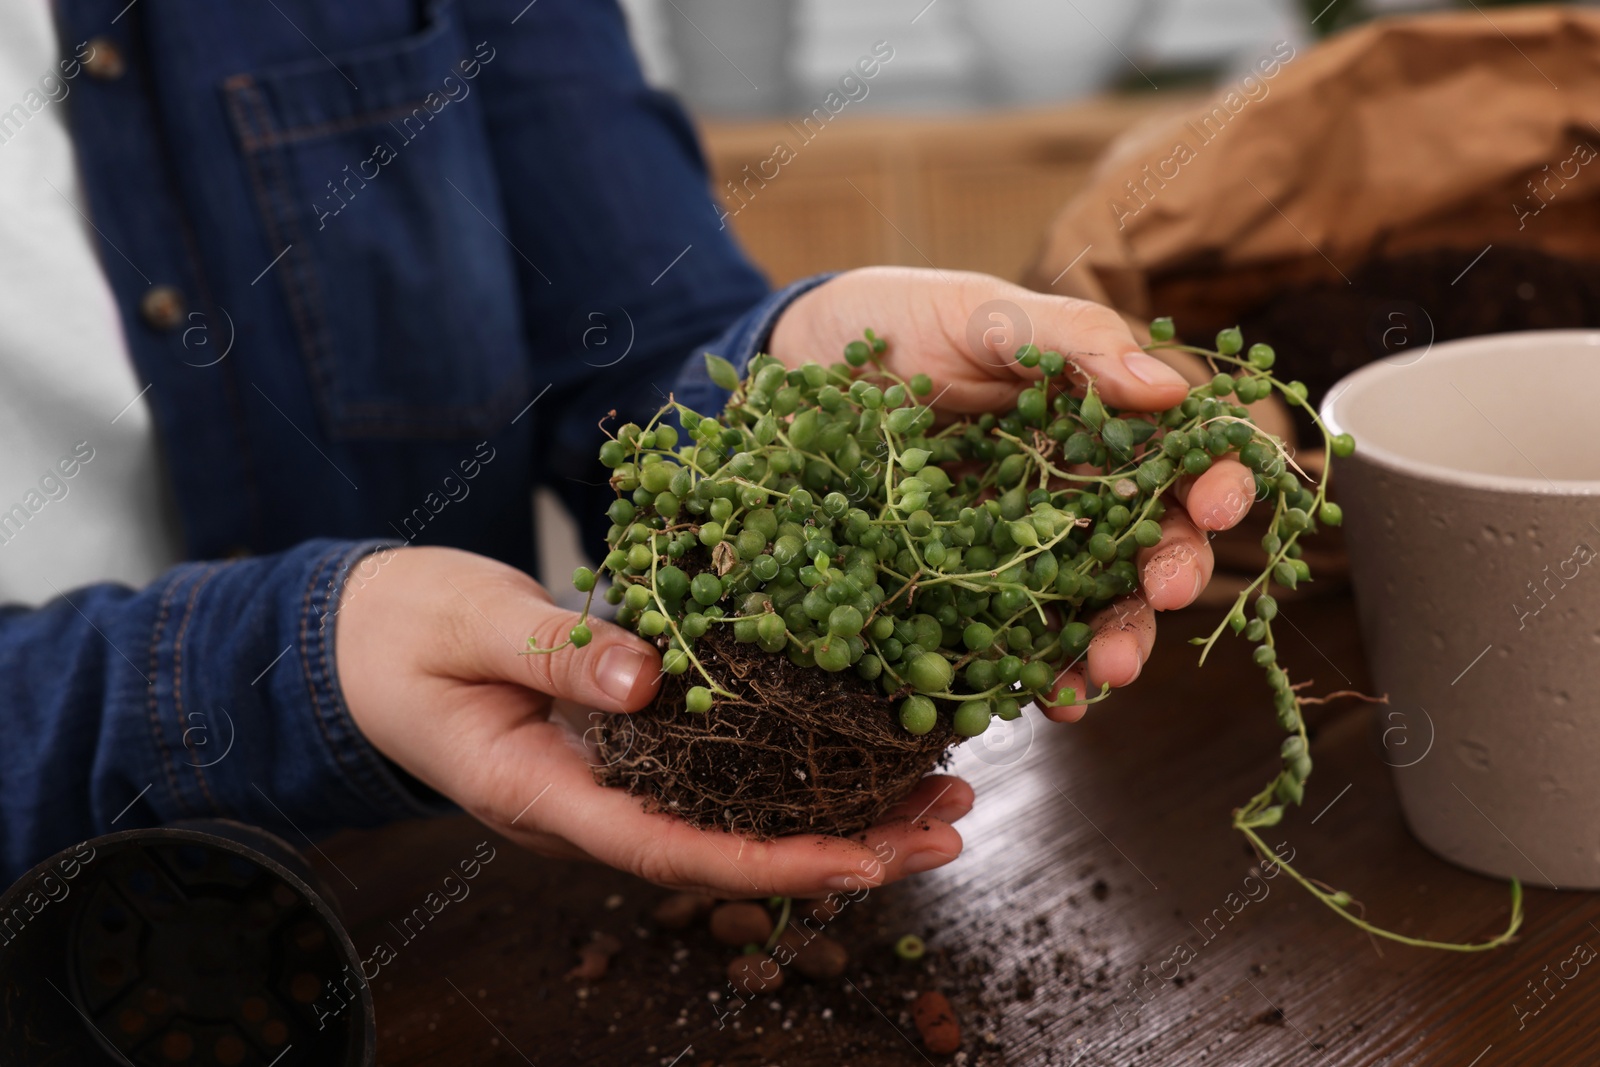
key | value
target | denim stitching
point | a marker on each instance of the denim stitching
(255, 162)
(275, 137)
(177, 677)
(154, 704)
(374, 781)
(317, 688)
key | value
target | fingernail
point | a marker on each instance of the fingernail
(847, 882)
(1218, 517)
(1156, 576)
(618, 670)
(918, 862)
(951, 811)
(1152, 371)
(1160, 572)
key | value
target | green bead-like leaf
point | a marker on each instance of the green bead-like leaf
(722, 372)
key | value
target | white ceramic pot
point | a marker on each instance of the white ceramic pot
(1472, 514)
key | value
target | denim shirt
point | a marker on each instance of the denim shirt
(385, 267)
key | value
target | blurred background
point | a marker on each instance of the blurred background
(961, 147)
(776, 57)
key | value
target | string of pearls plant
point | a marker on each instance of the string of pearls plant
(826, 515)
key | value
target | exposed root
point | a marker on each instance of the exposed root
(800, 750)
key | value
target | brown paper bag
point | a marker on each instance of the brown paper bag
(1474, 133)
(1448, 131)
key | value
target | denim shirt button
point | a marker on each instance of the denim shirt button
(162, 307)
(104, 61)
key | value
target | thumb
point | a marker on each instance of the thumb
(1099, 343)
(615, 671)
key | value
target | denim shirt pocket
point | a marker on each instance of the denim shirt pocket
(373, 176)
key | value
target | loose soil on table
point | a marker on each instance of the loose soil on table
(800, 751)
(1033, 969)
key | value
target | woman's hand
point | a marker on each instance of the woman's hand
(429, 659)
(963, 331)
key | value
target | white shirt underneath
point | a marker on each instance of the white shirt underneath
(82, 490)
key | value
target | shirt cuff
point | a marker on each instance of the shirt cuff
(389, 791)
(246, 707)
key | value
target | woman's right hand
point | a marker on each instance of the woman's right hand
(430, 660)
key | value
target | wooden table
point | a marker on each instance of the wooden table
(1089, 861)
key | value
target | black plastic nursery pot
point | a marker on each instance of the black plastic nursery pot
(207, 943)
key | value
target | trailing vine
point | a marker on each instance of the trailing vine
(828, 516)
